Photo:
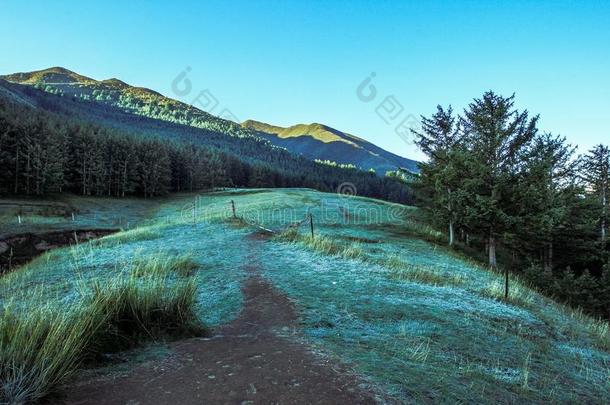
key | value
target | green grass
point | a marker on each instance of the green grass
(183, 265)
(416, 321)
(41, 350)
(43, 347)
(421, 274)
(518, 293)
(323, 244)
(128, 236)
(56, 214)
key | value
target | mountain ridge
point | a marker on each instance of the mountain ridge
(314, 141)
(322, 142)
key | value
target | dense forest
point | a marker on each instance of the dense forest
(57, 149)
(522, 198)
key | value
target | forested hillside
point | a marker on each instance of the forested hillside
(134, 100)
(55, 143)
(522, 198)
(311, 141)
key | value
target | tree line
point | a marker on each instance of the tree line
(523, 198)
(43, 152)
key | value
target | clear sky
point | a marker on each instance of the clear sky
(288, 62)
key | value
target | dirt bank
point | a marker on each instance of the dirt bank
(19, 249)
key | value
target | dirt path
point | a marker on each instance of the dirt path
(245, 362)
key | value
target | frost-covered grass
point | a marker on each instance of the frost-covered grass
(209, 253)
(43, 346)
(132, 235)
(420, 322)
(436, 343)
(323, 244)
(413, 318)
(69, 212)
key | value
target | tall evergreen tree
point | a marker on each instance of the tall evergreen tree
(439, 139)
(544, 192)
(596, 173)
(498, 137)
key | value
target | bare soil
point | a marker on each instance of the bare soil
(256, 359)
(20, 249)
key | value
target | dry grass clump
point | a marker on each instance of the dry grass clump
(41, 348)
(183, 265)
(399, 270)
(324, 245)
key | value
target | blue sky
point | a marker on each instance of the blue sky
(288, 62)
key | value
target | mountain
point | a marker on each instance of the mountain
(321, 142)
(52, 119)
(314, 141)
(130, 99)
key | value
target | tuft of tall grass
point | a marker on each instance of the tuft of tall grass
(353, 250)
(42, 347)
(129, 236)
(324, 245)
(597, 329)
(400, 270)
(518, 294)
(183, 265)
(576, 324)
(143, 308)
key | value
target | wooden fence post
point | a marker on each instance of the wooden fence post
(506, 284)
(233, 208)
(311, 224)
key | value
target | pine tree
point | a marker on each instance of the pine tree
(596, 173)
(440, 178)
(545, 189)
(498, 137)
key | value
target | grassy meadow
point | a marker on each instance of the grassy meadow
(418, 322)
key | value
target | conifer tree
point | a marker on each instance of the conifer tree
(498, 137)
(545, 189)
(439, 140)
(596, 173)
